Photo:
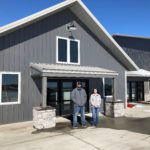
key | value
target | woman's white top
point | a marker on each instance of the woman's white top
(95, 100)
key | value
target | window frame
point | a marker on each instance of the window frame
(19, 88)
(68, 50)
(149, 85)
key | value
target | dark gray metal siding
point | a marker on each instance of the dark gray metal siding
(37, 43)
(140, 57)
(137, 48)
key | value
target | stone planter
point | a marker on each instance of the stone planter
(44, 118)
(114, 109)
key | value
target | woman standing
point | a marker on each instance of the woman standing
(95, 101)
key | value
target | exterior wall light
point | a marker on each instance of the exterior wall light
(71, 27)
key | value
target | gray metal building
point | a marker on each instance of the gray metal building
(138, 49)
(43, 55)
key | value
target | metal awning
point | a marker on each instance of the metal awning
(63, 70)
(139, 73)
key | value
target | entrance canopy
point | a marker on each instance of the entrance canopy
(140, 73)
(63, 70)
(60, 70)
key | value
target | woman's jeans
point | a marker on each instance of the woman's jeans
(81, 110)
(95, 115)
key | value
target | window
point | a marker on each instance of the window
(62, 50)
(67, 51)
(108, 86)
(9, 88)
(74, 51)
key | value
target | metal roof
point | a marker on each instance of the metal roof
(84, 14)
(131, 36)
(61, 70)
(138, 49)
(139, 73)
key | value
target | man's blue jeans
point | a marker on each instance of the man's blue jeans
(95, 115)
(81, 110)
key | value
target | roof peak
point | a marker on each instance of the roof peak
(86, 16)
(37, 15)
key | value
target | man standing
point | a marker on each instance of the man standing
(79, 98)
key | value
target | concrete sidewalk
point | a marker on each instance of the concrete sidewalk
(131, 132)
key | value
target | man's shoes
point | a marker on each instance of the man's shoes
(75, 127)
(84, 126)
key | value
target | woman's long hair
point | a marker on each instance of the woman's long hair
(95, 89)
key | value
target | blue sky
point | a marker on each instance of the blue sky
(117, 16)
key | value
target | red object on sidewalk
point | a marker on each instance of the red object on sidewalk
(130, 105)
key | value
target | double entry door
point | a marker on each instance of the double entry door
(135, 91)
(59, 94)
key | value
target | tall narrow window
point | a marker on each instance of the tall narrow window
(108, 87)
(52, 93)
(10, 88)
(74, 51)
(62, 50)
(68, 51)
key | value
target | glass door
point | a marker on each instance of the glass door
(133, 91)
(140, 91)
(66, 102)
(128, 92)
(85, 86)
(59, 94)
(53, 95)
